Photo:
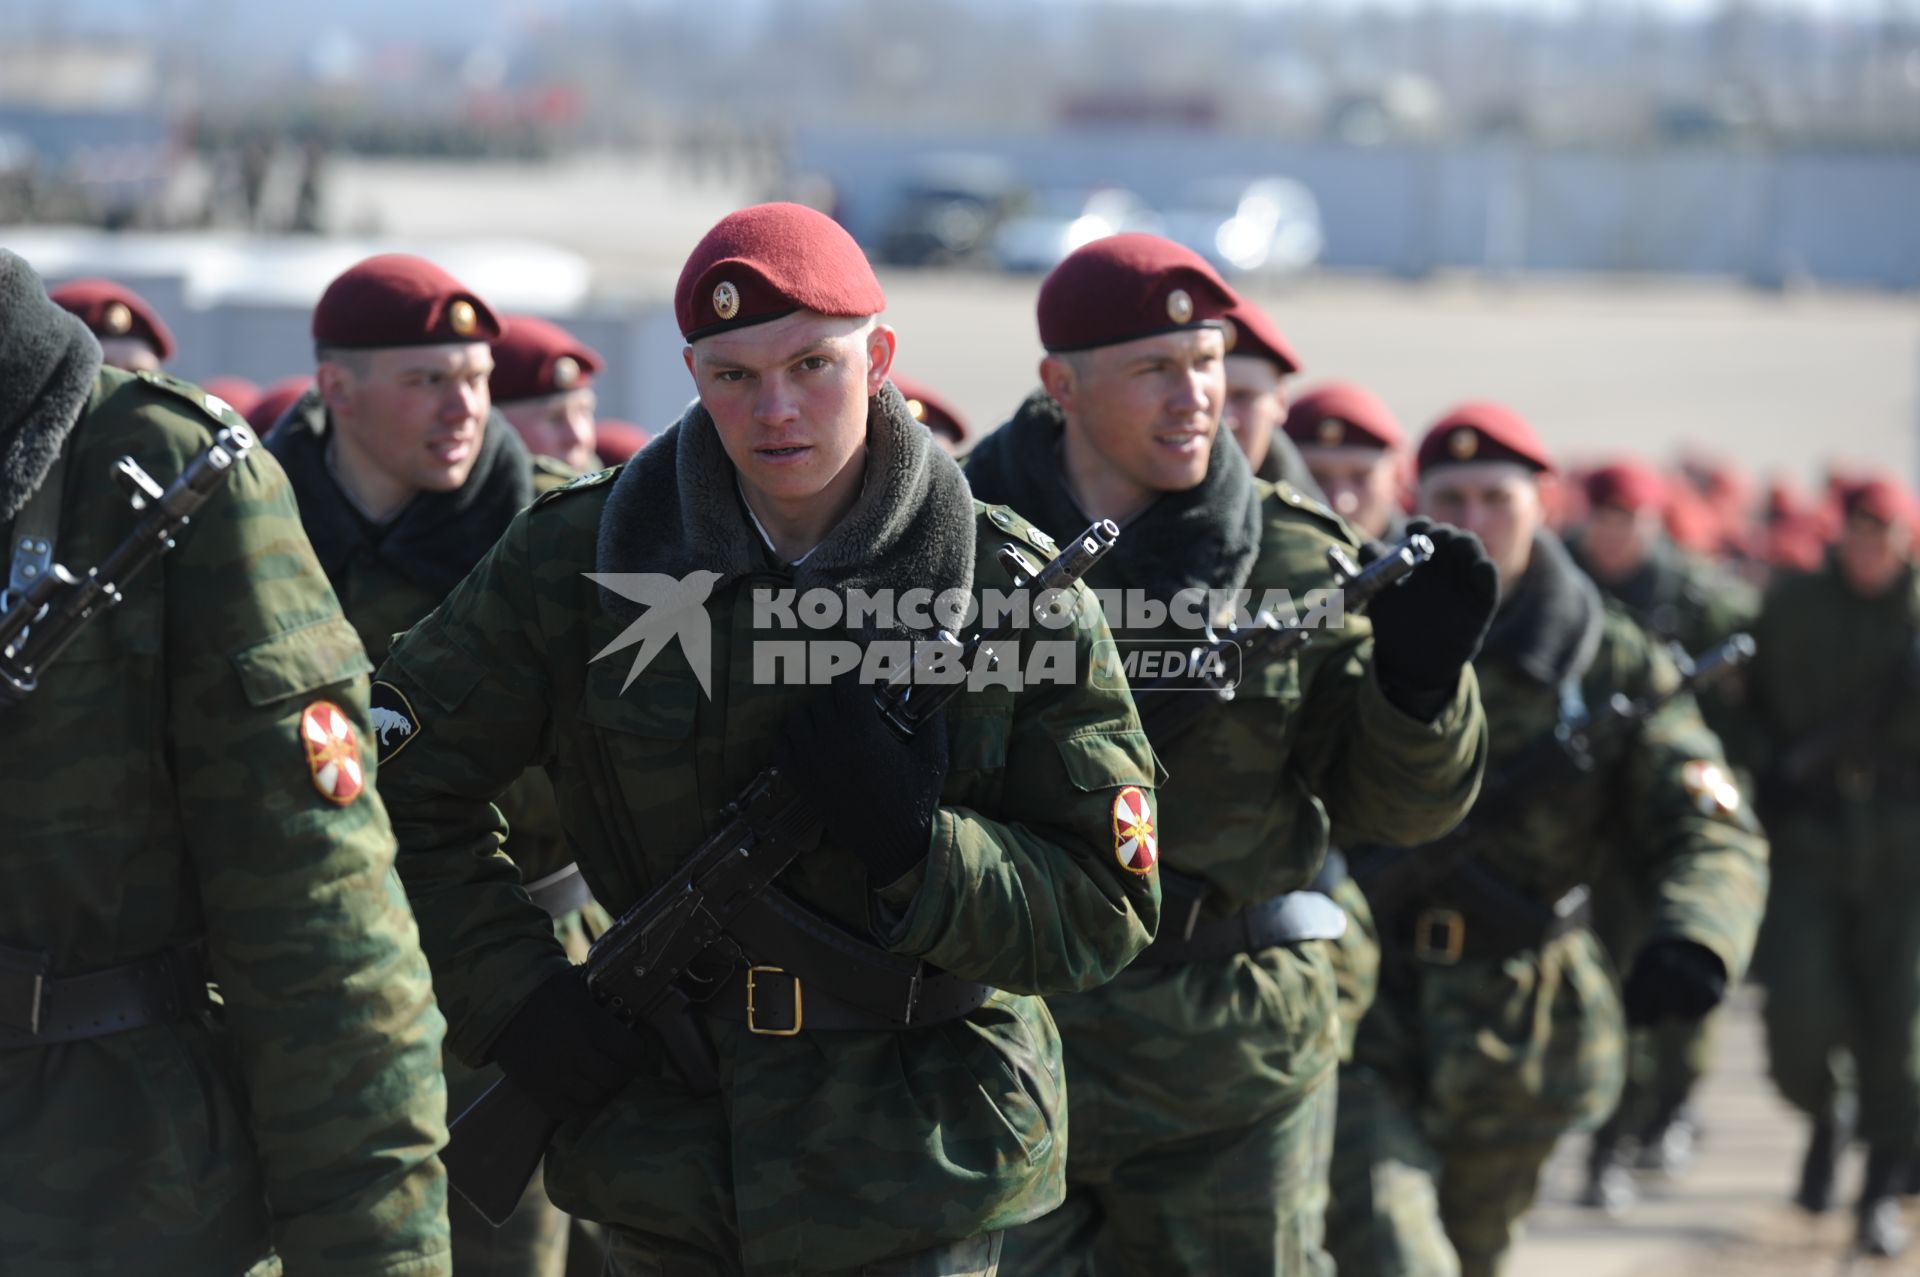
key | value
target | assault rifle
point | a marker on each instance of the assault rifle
(1393, 875)
(39, 624)
(1265, 642)
(634, 968)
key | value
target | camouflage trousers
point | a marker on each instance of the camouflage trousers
(634, 1255)
(1463, 1078)
(1402, 1207)
(1245, 1202)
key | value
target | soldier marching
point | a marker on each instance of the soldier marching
(1048, 985)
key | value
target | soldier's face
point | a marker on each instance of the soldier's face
(1144, 413)
(129, 353)
(1618, 541)
(1871, 553)
(558, 426)
(789, 399)
(1254, 407)
(415, 414)
(1497, 502)
(1361, 484)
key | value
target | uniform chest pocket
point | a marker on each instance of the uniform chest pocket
(634, 763)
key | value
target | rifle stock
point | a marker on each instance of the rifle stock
(635, 966)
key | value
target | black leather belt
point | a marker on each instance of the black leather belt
(561, 892)
(1475, 914)
(1187, 936)
(803, 973)
(38, 1008)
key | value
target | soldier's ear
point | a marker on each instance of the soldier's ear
(1056, 376)
(882, 342)
(336, 384)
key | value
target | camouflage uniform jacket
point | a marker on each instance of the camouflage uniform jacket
(826, 1150)
(162, 794)
(390, 576)
(1252, 792)
(1547, 1021)
(1823, 650)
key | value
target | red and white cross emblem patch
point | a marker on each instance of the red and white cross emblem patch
(333, 752)
(1134, 844)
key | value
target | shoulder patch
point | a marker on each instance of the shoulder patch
(212, 406)
(592, 479)
(395, 723)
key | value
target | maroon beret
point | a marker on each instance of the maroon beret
(1339, 414)
(537, 358)
(931, 409)
(1632, 486)
(1251, 331)
(615, 442)
(1878, 498)
(275, 400)
(398, 300)
(1482, 431)
(767, 261)
(112, 311)
(237, 393)
(1124, 287)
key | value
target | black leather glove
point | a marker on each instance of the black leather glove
(567, 1051)
(1673, 980)
(874, 793)
(1431, 624)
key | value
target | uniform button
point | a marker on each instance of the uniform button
(1001, 519)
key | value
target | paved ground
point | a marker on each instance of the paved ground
(1728, 1218)
(1788, 381)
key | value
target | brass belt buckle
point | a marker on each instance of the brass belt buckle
(1451, 927)
(798, 1014)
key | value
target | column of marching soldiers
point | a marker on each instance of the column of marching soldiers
(1306, 978)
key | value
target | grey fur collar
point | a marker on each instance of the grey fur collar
(676, 509)
(1207, 537)
(48, 365)
(1549, 627)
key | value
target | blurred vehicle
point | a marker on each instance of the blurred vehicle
(1056, 222)
(1250, 227)
(949, 210)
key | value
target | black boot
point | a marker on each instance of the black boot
(1880, 1232)
(1609, 1185)
(1822, 1164)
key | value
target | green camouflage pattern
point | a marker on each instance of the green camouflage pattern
(171, 799)
(1164, 1056)
(1488, 1058)
(630, 1256)
(381, 603)
(1249, 1199)
(1839, 948)
(1356, 962)
(1687, 600)
(828, 1150)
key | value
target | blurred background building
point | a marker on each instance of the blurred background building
(231, 155)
